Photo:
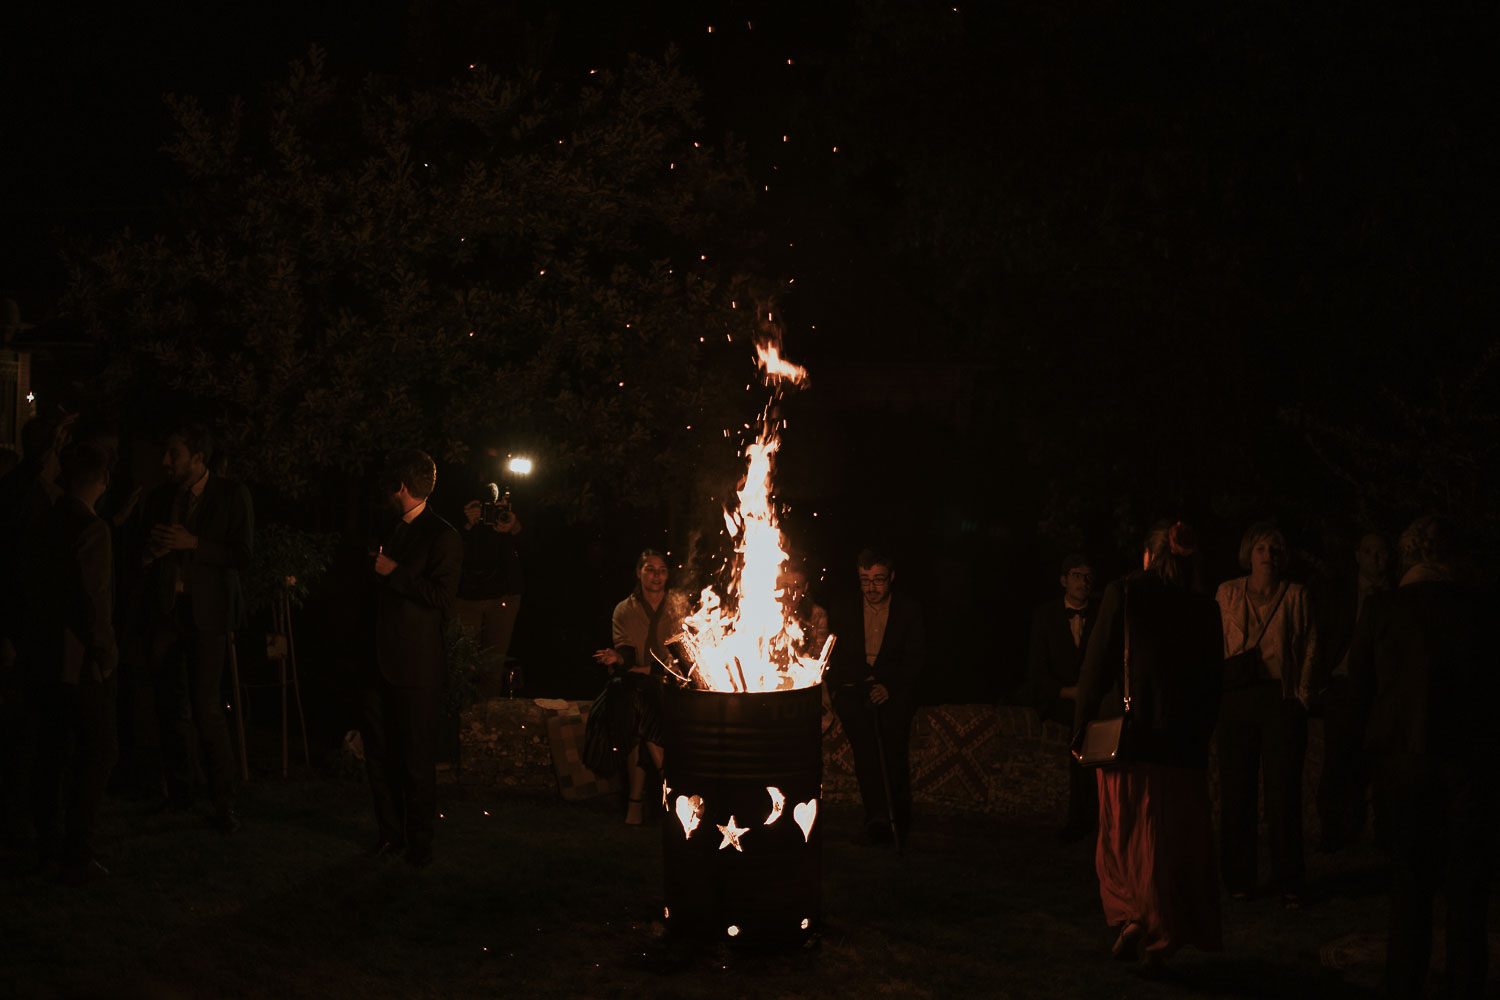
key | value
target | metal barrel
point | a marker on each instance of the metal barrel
(728, 757)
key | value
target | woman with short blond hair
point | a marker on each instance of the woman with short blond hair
(1270, 651)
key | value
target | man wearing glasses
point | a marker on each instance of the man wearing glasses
(876, 663)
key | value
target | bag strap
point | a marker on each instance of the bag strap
(1266, 622)
(1125, 610)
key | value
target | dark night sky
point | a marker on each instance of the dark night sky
(1104, 244)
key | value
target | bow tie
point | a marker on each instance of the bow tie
(1071, 613)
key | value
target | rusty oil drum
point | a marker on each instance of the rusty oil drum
(728, 749)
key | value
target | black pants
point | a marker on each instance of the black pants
(1344, 784)
(1261, 735)
(894, 734)
(76, 750)
(399, 727)
(1443, 825)
(190, 706)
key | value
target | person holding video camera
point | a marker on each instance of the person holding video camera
(489, 591)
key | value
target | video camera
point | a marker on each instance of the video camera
(494, 508)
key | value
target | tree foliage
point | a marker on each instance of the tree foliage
(488, 262)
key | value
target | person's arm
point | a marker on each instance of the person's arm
(1102, 660)
(434, 582)
(95, 572)
(899, 677)
(232, 549)
(1304, 641)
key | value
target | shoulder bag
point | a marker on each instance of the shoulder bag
(1103, 740)
(1245, 668)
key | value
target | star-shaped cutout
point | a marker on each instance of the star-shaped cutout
(732, 835)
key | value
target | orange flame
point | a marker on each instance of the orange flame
(760, 646)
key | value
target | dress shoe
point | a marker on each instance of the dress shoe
(82, 874)
(419, 857)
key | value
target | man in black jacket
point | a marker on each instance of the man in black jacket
(1423, 673)
(1059, 637)
(71, 657)
(876, 664)
(417, 573)
(201, 530)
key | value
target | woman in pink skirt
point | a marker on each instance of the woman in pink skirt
(1158, 878)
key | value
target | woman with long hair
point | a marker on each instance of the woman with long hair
(641, 626)
(1158, 640)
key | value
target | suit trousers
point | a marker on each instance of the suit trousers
(76, 752)
(1443, 823)
(872, 730)
(399, 727)
(190, 706)
(1261, 736)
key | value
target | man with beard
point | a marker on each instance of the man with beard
(202, 529)
(876, 664)
(416, 581)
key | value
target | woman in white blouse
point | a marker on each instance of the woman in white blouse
(1270, 654)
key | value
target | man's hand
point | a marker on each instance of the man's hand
(471, 513)
(171, 537)
(879, 695)
(609, 657)
(1071, 691)
(127, 508)
(511, 525)
(384, 564)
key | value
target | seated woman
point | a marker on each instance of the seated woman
(642, 624)
(1157, 641)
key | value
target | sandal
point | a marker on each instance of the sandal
(1124, 948)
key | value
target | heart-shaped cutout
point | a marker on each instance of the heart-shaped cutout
(806, 813)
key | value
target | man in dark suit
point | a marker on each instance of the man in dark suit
(1423, 671)
(71, 657)
(875, 667)
(417, 572)
(1059, 637)
(201, 531)
(1344, 783)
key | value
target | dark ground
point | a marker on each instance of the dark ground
(538, 897)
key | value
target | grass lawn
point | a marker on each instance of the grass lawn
(541, 898)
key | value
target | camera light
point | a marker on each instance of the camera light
(520, 466)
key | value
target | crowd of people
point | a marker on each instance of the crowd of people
(1401, 676)
(1394, 663)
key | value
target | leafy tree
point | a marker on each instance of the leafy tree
(489, 261)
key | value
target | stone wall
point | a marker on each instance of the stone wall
(1003, 761)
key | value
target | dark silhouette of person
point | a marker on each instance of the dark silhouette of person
(489, 591)
(876, 663)
(26, 493)
(1344, 782)
(1155, 856)
(72, 657)
(1424, 673)
(200, 531)
(1060, 631)
(417, 572)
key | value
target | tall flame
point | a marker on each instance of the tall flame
(758, 646)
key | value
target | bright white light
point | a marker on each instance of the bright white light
(31, 397)
(520, 466)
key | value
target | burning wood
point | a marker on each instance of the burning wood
(758, 645)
